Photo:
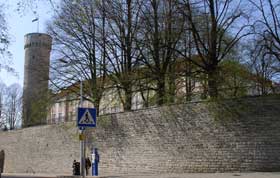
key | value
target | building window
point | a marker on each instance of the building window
(53, 118)
(71, 115)
(60, 117)
(56, 106)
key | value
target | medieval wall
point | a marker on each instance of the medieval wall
(234, 135)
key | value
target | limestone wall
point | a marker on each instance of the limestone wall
(239, 135)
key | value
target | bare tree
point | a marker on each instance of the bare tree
(13, 105)
(268, 25)
(262, 64)
(76, 46)
(5, 54)
(2, 97)
(123, 28)
(10, 106)
(161, 27)
(211, 22)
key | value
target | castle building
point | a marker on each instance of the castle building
(36, 76)
(65, 102)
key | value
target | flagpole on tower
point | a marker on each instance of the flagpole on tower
(36, 20)
(38, 25)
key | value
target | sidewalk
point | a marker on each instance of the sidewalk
(186, 175)
(202, 175)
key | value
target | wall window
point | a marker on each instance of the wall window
(53, 118)
(60, 117)
(72, 115)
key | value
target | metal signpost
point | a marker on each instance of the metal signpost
(86, 117)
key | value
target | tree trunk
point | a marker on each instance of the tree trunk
(161, 91)
(96, 106)
(213, 83)
(171, 94)
(128, 99)
(188, 82)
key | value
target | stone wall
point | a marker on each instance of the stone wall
(233, 135)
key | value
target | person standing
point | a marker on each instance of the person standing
(2, 159)
(88, 165)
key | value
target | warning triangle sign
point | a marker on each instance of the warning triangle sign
(87, 118)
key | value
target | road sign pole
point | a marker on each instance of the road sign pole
(82, 142)
(82, 152)
(86, 117)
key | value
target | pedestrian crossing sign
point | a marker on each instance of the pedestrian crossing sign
(86, 117)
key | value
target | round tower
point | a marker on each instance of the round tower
(36, 75)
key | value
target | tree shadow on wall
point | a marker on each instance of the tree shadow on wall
(255, 125)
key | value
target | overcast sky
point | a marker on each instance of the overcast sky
(19, 25)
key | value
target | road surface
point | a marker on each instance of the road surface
(187, 175)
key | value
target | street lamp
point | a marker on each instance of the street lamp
(82, 141)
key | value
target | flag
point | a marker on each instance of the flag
(36, 19)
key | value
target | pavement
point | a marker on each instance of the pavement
(186, 175)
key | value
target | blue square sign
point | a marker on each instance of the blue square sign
(86, 117)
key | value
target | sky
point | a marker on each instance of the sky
(20, 25)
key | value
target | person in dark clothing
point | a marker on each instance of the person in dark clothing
(76, 168)
(88, 165)
(2, 159)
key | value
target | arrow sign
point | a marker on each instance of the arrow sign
(86, 117)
